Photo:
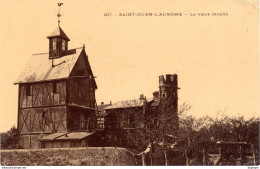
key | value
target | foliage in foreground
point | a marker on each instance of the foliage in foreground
(9, 139)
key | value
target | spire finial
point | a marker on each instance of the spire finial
(59, 15)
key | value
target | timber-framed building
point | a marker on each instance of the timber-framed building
(57, 104)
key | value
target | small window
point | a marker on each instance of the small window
(29, 90)
(163, 95)
(54, 44)
(63, 44)
(172, 78)
(56, 87)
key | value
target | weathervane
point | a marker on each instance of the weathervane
(59, 15)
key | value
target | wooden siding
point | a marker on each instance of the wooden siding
(81, 85)
(80, 92)
(42, 95)
(45, 120)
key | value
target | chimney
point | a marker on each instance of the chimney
(110, 102)
(141, 97)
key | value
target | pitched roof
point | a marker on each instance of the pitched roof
(101, 109)
(128, 103)
(58, 32)
(39, 67)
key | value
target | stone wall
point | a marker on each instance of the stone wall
(89, 156)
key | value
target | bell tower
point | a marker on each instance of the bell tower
(58, 40)
(58, 43)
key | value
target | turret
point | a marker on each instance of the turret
(58, 43)
(168, 87)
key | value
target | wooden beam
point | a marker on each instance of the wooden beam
(18, 114)
(66, 103)
(43, 106)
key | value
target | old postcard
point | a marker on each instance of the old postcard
(129, 83)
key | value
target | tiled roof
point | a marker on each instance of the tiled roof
(128, 103)
(58, 32)
(39, 68)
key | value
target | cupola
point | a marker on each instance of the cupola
(58, 43)
(58, 40)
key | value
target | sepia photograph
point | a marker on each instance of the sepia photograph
(129, 83)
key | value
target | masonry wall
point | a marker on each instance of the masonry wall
(90, 156)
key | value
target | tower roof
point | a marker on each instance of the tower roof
(58, 32)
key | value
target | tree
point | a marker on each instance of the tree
(9, 140)
(154, 123)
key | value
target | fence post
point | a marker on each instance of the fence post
(186, 157)
(204, 156)
(253, 150)
(143, 159)
(165, 156)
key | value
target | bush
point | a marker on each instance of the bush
(9, 139)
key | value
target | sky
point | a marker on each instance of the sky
(216, 57)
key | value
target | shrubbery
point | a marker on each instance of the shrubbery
(9, 139)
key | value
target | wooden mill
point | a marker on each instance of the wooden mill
(57, 105)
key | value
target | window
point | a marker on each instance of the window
(54, 44)
(63, 44)
(163, 95)
(56, 87)
(29, 90)
(172, 78)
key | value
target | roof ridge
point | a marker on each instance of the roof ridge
(132, 100)
(48, 52)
